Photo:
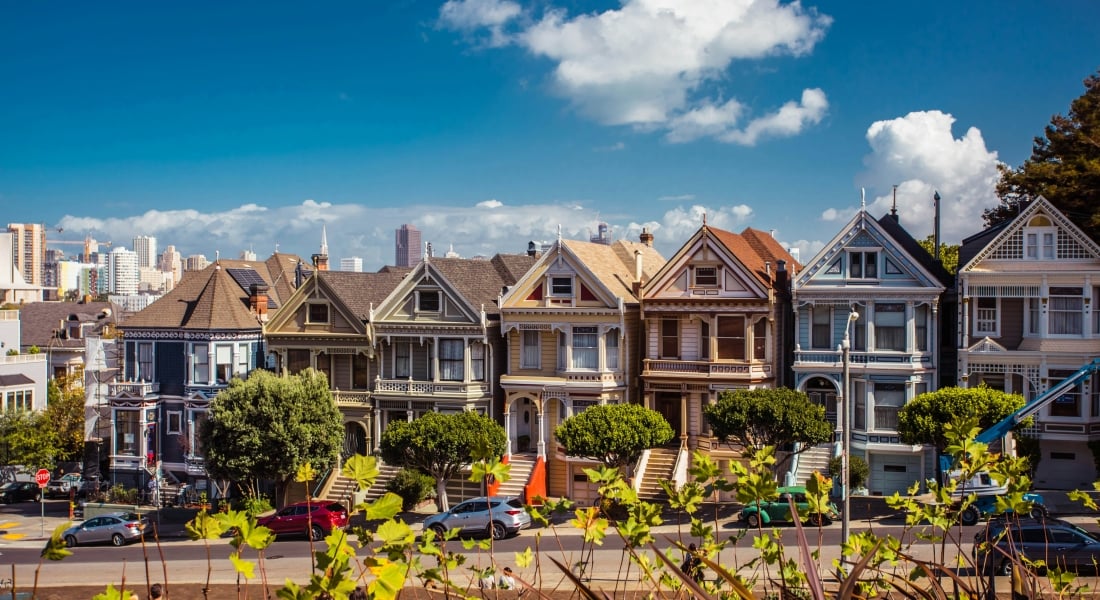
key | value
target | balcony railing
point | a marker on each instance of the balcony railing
(413, 387)
(133, 388)
(351, 398)
(705, 368)
(23, 358)
(819, 357)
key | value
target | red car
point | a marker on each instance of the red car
(313, 519)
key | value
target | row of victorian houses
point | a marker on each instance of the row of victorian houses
(536, 337)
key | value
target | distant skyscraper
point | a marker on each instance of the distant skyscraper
(170, 261)
(28, 249)
(145, 246)
(602, 236)
(196, 262)
(122, 272)
(248, 255)
(407, 246)
(351, 264)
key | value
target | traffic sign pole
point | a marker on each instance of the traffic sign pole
(42, 478)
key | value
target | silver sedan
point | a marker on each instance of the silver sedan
(118, 528)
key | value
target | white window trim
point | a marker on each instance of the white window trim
(550, 286)
(695, 276)
(538, 350)
(439, 300)
(178, 429)
(1039, 231)
(996, 325)
(868, 250)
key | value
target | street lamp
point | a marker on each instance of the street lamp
(846, 447)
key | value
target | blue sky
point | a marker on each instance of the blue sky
(488, 123)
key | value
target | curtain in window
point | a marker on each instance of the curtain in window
(821, 332)
(859, 393)
(890, 327)
(223, 359)
(1066, 315)
(889, 397)
(529, 354)
(731, 338)
(401, 359)
(297, 360)
(561, 351)
(477, 362)
(612, 344)
(145, 361)
(201, 361)
(451, 360)
(1033, 316)
(585, 348)
(921, 317)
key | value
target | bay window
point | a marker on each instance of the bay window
(890, 326)
(920, 315)
(477, 362)
(402, 358)
(1069, 403)
(223, 361)
(451, 360)
(670, 338)
(889, 398)
(200, 361)
(611, 342)
(585, 348)
(360, 372)
(243, 353)
(145, 361)
(297, 360)
(127, 432)
(1066, 315)
(821, 328)
(731, 338)
(760, 339)
(530, 350)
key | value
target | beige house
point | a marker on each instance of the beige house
(572, 331)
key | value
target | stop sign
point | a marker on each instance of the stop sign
(42, 477)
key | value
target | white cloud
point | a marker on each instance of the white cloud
(677, 198)
(919, 154)
(484, 228)
(652, 64)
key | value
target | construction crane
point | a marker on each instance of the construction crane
(87, 242)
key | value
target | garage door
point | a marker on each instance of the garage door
(1065, 466)
(893, 473)
(583, 491)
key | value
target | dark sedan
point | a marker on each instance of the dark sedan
(20, 491)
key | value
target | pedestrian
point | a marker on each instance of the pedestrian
(507, 581)
(487, 582)
(692, 565)
(156, 592)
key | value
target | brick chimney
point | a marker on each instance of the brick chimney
(646, 237)
(257, 300)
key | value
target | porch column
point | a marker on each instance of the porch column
(540, 424)
(684, 399)
(376, 426)
(507, 427)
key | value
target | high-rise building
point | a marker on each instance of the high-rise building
(122, 271)
(146, 248)
(171, 262)
(354, 264)
(196, 262)
(248, 255)
(407, 246)
(28, 248)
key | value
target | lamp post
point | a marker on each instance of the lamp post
(846, 447)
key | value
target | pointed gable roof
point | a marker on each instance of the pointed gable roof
(211, 298)
(988, 243)
(359, 292)
(614, 265)
(912, 247)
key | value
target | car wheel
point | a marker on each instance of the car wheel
(497, 530)
(439, 530)
(118, 540)
(70, 541)
(969, 516)
(1038, 511)
(753, 520)
(316, 533)
(1005, 568)
(819, 520)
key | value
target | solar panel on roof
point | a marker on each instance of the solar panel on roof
(245, 278)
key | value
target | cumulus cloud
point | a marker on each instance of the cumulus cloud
(484, 228)
(920, 155)
(660, 66)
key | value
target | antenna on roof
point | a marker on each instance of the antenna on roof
(704, 219)
(862, 198)
(217, 255)
(559, 234)
(894, 208)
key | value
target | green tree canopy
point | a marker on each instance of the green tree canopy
(65, 411)
(28, 438)
(1064, 167)
(267, 426)
(922, 419)
(441, 444)
(615, 434)
(768, 417)
(949, 253)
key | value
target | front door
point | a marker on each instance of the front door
(823, 393)
(668, 404)
(355, 440)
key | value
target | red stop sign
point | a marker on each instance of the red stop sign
(42, 477)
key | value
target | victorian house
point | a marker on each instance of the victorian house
(715, 318)
(876, 290)
(572, 330)
(1028, 295)
(178, 353)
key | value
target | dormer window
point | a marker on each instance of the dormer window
(561, 286)
(863, 265)
(427, 301)
(706, 276)
(1040, 236)
(317, 313)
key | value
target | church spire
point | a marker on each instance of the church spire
(320, 260)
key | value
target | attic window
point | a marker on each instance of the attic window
(706, 276)
(891, 268)
(427, 301)
(561, 286)
(318, 313)
(835, 267)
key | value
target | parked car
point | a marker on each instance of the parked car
(119, 528)
(20, 491)
(780, 510)
(1006, 540)
(497, 516)
(313, 519)
(60, 487)
(986, 506)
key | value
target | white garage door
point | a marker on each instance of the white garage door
(1065, 466)
(583, 491)
(893, 473)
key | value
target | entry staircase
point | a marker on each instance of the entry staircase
(341, 488)
(814, 459)
(522, 465)
(660, 466)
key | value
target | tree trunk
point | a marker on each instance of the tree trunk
(441, 494)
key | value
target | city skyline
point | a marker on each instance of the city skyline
(496, 122)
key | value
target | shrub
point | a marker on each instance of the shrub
(858, 471)
(413, 486)
(254, 505)
(120, 494)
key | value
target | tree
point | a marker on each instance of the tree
(922, 419)
(267, 426)
(1064, 167)
(615, 434)
(441, 444)
(769, 417)
(65, 411)
(28, 438)
(949, 253)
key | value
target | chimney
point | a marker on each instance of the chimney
(257, 300)
(531, 249)
(637, 286)
(936, 227)
(646, 237)
(320, 262)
